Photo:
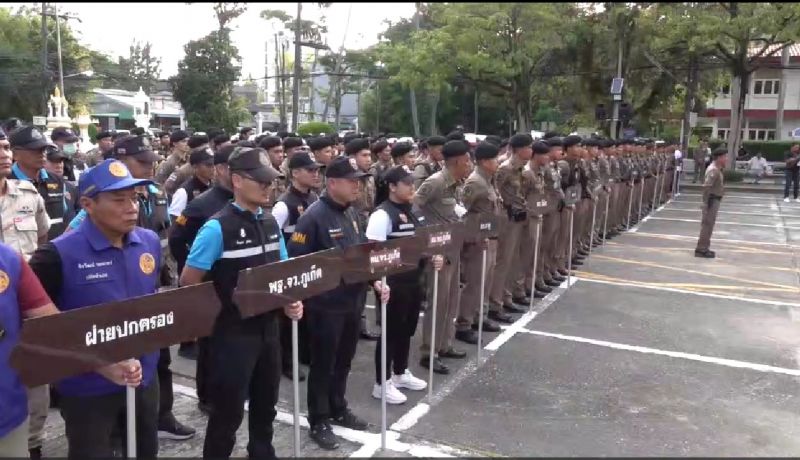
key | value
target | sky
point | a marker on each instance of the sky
(111, 27)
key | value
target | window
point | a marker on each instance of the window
(761, 135)
(725, 90)
(766, 87)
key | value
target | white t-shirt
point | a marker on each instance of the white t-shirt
(379, 225)
(281, 213)
(178, 203)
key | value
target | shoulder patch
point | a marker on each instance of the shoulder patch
(299, 238)
(181, 220)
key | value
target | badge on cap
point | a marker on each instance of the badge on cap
(117, 169)
(403, 218)
(242, 233)
(300, 209)
(353, 163)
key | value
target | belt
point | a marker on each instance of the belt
(59, 220)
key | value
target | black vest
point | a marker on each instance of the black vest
(194, 187)
(247, 241)
(52, 191)
(153, 214)
(297, 202)
(404, 224)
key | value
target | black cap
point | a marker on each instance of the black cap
(196, 140)
(719, 151)
(292, 142)
(401, 148)
(433, 141)
(554, 142)
(454, 149)
(135, 146)
(201, 155)
(591, 142)
(303, 161)
(220, 139)
(492, 139)
(54, 153)
(486, 151)
(379, 146)
(103, 135)
(2, 134)
(550, 135)
(520, 140)
(270, 142)
(319, 143)
(571, 140)
(254, 163)
(63, 134)
(28, 138)
(344, 168)
(221, 155)
(178, 136)
(540, 148)
(355, 146)
(397, 174)
(456, 136)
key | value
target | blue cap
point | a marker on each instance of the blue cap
(108, 176)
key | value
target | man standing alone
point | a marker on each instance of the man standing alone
(792, 172)
(713, 190)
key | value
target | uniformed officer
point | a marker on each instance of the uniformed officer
(164, 145)
(22, 297)
(23, 226)
(28, 146)
(202, 162)
(288, 209)
(179, 149)
(394, 218)
(481, 203)
(333, 317)
(358, 151)
(243, 353)
(103, 150)
(382, 157)
(536, 200)
(509, 185)
(576, 175)
(433, 163)
(274, 149)
(107, 258)
(552, 220)
(713, 190)
(291, 146)
(436, 200)
(67, 143)
(322, 152)
(184, 171)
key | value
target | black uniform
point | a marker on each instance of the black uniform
(333, 317)
(408, 291)
(51, 188)
(181, 237)
(244, 361)
(296, 202)
(194, 187)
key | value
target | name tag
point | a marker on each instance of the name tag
(95, 271)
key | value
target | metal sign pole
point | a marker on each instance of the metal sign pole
(569, 259)
(296, 386)
(605, 219)
(480, 301)
(383, 367)
(675, 182)
(630, 202)
(641, 197)
(130, 419)
(433, 332)
(655, 194)
(591, 232)
(535, 257)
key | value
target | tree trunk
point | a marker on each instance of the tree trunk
(337, 103)
(311, 91)
(738, 96)
(433, 129)
(782, 95)
(298, 62)
(412, 93)
(688, 103)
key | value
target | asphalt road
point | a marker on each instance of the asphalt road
(651, 352)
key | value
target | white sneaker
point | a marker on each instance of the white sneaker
(407, 380)
(786, 200)
(393, 395)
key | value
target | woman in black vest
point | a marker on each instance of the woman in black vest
(395, 219)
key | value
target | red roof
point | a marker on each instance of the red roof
(794, 51)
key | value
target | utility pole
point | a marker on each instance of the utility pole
(58, 44)
(782, 94)
(45, 74)
(688, 104)
(615, 131)
(279, 83)
(413, 94)
(297, 69)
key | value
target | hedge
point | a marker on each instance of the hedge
(314, 128)
(772, 150)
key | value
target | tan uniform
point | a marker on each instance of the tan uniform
(436, 200)
(552, 222)
(533, 185)
(177, 178)
(713, 189)
(480, 199)
(424, 170)
(173, 162)
(509, 185)
(94, 157)
(365, 203)
(23, 220)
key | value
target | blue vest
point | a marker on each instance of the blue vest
(95, 273)
(13, 399)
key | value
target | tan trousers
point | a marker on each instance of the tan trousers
(707, 225)
(13, 444)
(549, 243)
(526, 261)
(508, 244)
(563, 238)
(471, 262)
(446, 309)
(38, 405)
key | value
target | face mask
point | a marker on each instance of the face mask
(70, 149)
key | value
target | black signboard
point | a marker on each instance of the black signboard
(541, 204)
(85, 339)
(442, 238)
(369, 261)
(484, 226)
(572, 195)
(272, 286)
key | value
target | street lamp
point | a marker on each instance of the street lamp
(85, 73)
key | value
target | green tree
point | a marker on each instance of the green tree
(141, 66)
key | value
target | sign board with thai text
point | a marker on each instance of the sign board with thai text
(82, 340)
(369, 261)
(442, 238)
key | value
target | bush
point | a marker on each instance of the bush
(772, 150)
(732, 176)
(314, 128)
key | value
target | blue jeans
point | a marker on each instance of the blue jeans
(791, 177)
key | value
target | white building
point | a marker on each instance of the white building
(761, 103)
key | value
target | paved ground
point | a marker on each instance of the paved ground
(651, 351)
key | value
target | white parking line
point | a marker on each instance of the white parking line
(694, 238)
(728, 223)
(672, 354)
